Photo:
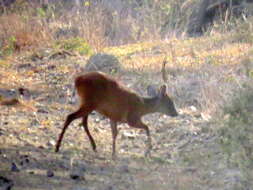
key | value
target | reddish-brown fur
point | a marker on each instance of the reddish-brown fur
(100, 92)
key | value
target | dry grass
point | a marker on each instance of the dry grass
(202, 72)
(19, 32)
(189, 53)
(28, 25)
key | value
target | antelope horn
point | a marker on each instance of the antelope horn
(164, 73)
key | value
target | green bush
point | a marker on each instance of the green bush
(75, 44)
(236, 133)
(9, 48)
(243, 32)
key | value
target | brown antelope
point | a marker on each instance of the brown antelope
(100, 92)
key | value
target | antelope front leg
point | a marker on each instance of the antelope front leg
(114, 136)
(85, 126)
(138, 124)
(149, 147)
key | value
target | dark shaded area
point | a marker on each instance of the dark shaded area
(5, 183)
(201, 18)
(27, 177)
(208, 11)
(6, 3)
(31, 177)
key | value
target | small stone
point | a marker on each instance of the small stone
(14, 167)
(193, 108)
(51, 67)
(212, 173)
(40, 110)
(129, 135)
(51, 143)
(74, 177)
(24, 159)
(24, 92)
(77, 174)
(190, 170)
(50, 173)
(27, 160)
(25, 66)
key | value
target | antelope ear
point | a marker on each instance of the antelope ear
(151, 91)
(162, 90)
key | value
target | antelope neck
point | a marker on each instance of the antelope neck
(149, 105)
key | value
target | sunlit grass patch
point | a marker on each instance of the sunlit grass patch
(215, 50)
(128, 50)
(76, 45)
(4, 63)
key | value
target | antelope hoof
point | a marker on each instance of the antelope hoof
(114, 157)
(57, 149)
(95, 150)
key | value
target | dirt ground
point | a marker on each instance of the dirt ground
(185, 154)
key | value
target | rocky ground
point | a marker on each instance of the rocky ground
(185, 153)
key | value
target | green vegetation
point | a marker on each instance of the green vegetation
(76, 45)
(9, 48)
(236, 132)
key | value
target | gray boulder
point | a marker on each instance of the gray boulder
(103, 62)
